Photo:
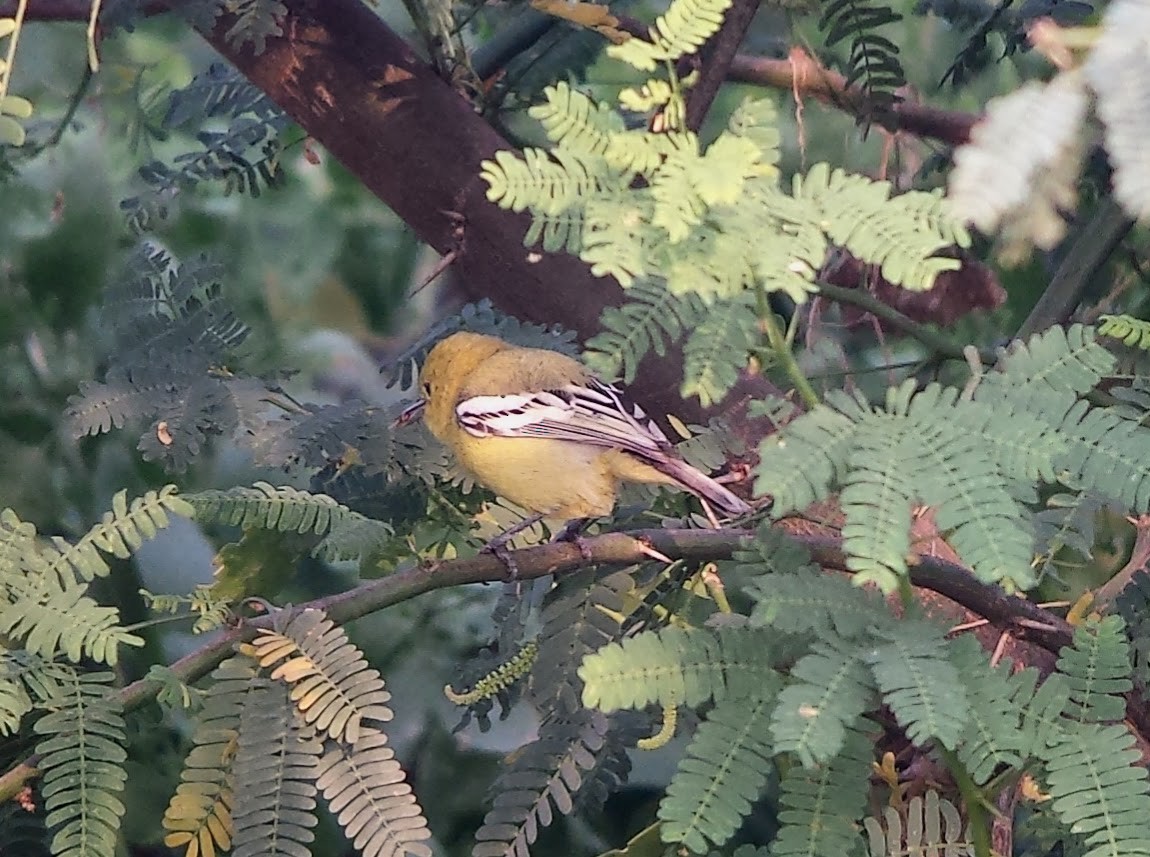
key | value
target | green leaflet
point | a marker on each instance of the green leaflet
(818, 806)
(721, 774)
(919, 683)
(674, 667)
(82, 755)
(832, 688)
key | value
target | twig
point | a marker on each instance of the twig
(70, 112)
(971, 797)
(1139, 558)
(509, 42)
(851, 371)
(780, 348)
(803, 75)
(1086, 254)
(440, 266)
(936, 341)
(93, 22)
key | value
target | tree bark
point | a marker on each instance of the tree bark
(356, 87)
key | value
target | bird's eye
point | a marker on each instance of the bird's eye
(426, 389)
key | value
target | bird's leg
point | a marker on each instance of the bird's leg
(573, 532)
(497, 547)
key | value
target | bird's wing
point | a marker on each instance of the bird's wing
(593, 413)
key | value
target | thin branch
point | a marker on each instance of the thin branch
(510, 41)
(938, 342)
(70, 111)
(1082, 259)
(780, 348)
(806, 76)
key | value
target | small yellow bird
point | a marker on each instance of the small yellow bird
(537, 428)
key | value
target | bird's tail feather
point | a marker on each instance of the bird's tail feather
(704, 486)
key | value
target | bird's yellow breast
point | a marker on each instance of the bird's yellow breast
(560, 479)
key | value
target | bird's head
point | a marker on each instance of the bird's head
(444, 373)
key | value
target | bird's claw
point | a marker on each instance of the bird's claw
(497, 547)
(573, 532)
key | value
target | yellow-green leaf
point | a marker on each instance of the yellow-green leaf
(729, 162)
(652, 95)
(7, 27)
(11, 132)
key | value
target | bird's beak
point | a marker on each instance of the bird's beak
(410, 414)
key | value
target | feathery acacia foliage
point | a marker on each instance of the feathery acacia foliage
(932, 824)
(198, 817)
(244, 157)
(831, 689)
(1026, 424)
(873, 59)
(344, 534)
(45, 607)
(800, 678)
(681, 227)
(727, 763)
(81, 759)
(1098, 786)
(297, 714)
(817, 806)
(660, 231)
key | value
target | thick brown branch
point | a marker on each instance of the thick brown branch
(355, 86)
(806, 77)
(418, 145)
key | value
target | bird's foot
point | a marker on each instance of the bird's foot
(573, 532)
(497, 547)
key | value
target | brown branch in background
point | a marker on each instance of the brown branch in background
(351, 83)
(806, 76)
(716, 58)
(71, 10)
(1093, 244)
(799, 73)
(938, 341)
